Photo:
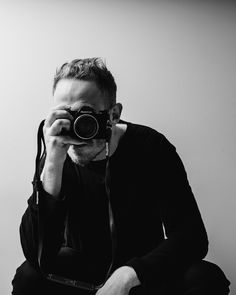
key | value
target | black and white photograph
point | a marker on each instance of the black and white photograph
(118, 142)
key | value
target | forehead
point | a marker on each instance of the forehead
(77, 93)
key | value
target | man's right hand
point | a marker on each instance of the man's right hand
(57, 145)
(58, 120)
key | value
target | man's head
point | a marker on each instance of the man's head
(89, 69)
(86, 82)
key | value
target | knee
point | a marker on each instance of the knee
(27, 280)
(206, 276)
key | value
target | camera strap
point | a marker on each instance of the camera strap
(38, 160)
(37, 183)
(111, 216)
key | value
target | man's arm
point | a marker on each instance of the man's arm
(186, 235)
(42, 224)
(47, 214)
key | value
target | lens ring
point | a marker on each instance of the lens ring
(91, 134)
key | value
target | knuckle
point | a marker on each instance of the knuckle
(54, 140)
(60, 123)
(53, 115)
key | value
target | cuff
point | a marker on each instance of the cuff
(140, 269)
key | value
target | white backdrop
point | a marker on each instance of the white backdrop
(174, 63)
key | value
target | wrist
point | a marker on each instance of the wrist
(53, 164)
(55, 160)
(51, 177)
(130, 277)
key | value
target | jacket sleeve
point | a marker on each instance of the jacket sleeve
(42, 227)
(186, 240)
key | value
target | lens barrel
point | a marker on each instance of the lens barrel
(86, 126)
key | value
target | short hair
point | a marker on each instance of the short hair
(89, 69)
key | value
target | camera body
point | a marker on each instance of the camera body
(87, 124)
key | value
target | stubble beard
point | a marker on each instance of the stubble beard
(82, 156)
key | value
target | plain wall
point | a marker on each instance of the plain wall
(174, 63)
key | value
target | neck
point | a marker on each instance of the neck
(117, 132)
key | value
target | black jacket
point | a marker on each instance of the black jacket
(149, 190)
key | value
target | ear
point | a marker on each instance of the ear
(115, 113)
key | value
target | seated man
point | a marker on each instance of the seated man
(104, 189)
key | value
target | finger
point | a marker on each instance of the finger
(62, 106)
(62, 140)
(57, 127)
(70, 140)
(57, 114)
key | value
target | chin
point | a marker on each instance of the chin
(78, 159)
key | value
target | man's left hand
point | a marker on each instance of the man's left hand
(120, 282)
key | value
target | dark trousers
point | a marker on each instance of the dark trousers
(202, 278)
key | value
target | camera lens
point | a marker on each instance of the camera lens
(85, 126)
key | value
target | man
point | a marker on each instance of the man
(103, 192)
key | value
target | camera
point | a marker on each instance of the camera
(87, 124)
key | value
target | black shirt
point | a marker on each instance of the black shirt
(149, 190)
